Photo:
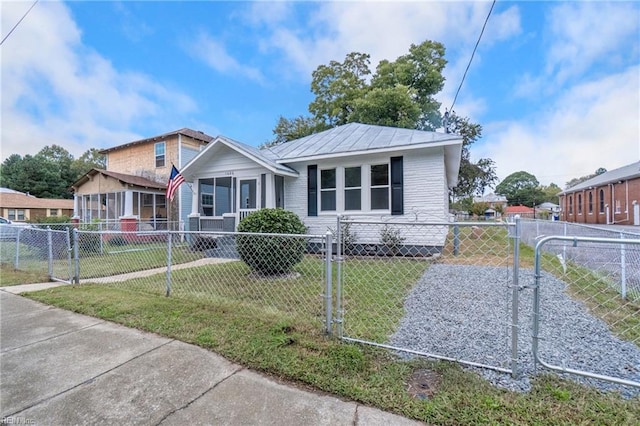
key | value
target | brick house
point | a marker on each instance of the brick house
(132, 188)
(21, 207)
(610, 198)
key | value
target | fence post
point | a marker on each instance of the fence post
(168, 264)
(49, 252)
(456, 239)
(515, 292)
(16, 264)
(76, 255)
(339, 259)
(623, 269)
(69, 249)
(328, 292)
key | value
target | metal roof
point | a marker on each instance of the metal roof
(356, 137)
(623, 173)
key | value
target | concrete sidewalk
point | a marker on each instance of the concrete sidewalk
(62, 368)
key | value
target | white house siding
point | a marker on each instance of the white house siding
(425, 199)
(186, 194)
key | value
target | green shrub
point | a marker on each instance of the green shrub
(271, 255)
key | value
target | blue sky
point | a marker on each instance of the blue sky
(555, 85)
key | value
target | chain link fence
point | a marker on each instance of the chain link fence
(272, 274)
(38, 250)
(458, 291)
(587, 307)
(444, 290)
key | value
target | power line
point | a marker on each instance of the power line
(18, 23)
(472, 54)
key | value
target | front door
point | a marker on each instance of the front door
(248, 199)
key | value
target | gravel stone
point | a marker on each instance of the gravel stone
(464, 312)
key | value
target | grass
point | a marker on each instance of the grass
(294, 348)
(275, 326)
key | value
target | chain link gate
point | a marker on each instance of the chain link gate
(443, 290)
(46, 251)
(587, 308)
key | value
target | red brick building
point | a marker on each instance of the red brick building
(610, 198)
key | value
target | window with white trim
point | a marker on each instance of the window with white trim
(160, 154)
(216, 196)
(380, 187)
(579, 203)
(601, 201)
(328, 190)
(353, 188)
(618, 209)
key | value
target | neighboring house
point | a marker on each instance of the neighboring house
(132, 187)
(497, 204)
(610, 198)
(523, 211)
(548, 210)
(21, 207)
(362, 171)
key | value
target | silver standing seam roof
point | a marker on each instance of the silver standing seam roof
(357, 137)
(349, 139)
(623, 173)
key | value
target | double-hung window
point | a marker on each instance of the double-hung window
(380, 187)
(160, 154)
(328, 190)
(352, 188)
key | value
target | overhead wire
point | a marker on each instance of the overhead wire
(472, 55)
(18, 23)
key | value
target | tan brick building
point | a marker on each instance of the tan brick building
(610, 198)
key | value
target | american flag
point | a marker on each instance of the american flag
(175, 180)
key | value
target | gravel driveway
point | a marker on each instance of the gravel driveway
(464, 312)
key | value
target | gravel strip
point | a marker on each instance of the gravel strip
(464, 312)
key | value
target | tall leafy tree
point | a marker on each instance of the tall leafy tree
(400, 93)
(473, 178)
(49, 173)
(521, 188)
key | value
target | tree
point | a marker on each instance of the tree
(48, 174)
(575, 181)
(520, 188)
(473, 178)
(550, 193)
(337, 86)
(90, 159)
(289, 129)
(399, 94)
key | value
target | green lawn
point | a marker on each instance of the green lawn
(293, 347)
(276, 326)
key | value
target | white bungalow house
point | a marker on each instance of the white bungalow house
(364, 171)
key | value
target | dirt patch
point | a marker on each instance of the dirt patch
(423, 384)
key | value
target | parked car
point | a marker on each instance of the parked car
(9, 230)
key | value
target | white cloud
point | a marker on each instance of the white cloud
(57, 90)
(385, 30)
(592, 125)
(213, 53)
(585, 33)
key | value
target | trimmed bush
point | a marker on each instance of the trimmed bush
(271, 255)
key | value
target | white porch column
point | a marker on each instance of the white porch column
(195, 197)
(128, 203)
(76, 205)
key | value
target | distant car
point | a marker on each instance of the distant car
(9, 230)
